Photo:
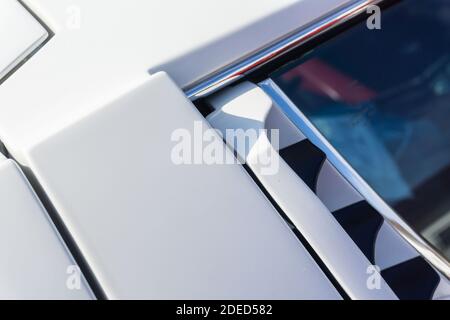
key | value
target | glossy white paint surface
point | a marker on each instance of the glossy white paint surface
(20, 34)
(103, 47)
(152, 229)
(33, 260)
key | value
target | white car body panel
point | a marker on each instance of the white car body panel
(57, 120)
(91, 93)
(34, 262)
(150, 228)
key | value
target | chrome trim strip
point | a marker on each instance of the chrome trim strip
(313, 134)
(238, 70)
(241, 68)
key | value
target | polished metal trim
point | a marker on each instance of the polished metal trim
(239, 69)
(314, 135)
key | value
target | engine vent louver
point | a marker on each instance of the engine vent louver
(412, 278)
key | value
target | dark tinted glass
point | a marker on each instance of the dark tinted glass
(382, 98)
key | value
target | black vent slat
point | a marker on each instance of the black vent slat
(414, 279)
(306, 160)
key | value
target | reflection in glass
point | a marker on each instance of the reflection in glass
(382, 98)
